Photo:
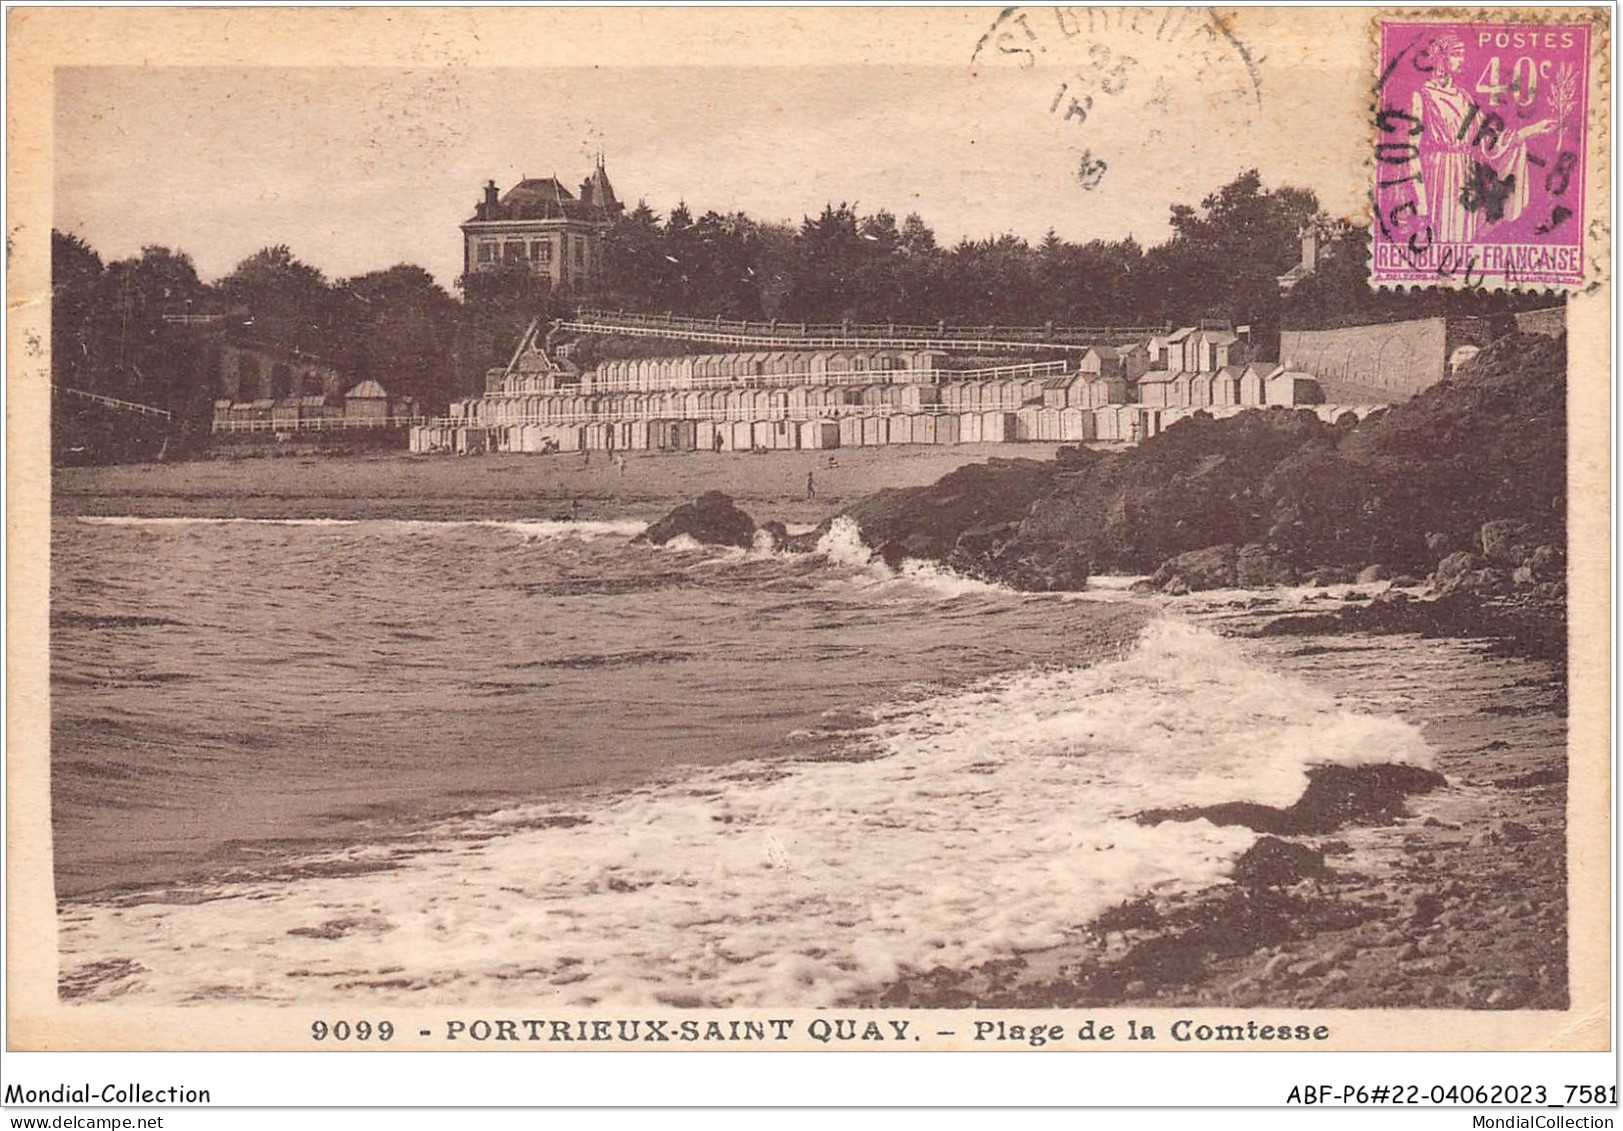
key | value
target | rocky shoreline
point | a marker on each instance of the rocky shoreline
(1384, 887)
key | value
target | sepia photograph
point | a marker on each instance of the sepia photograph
(634, 529)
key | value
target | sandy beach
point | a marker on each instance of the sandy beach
(510, 486)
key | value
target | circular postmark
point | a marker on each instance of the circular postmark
(1116, 79)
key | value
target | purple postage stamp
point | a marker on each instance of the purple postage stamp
(1479, 154)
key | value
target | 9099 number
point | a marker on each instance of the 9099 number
(351, 1030)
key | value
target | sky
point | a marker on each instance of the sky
(360, 168)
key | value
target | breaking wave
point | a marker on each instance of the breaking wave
(953, 828)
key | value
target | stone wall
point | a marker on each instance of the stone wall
(1550, 322)
(1401, 358)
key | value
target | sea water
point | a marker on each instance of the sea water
(427, 762)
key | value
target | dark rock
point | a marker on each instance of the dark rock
(1340, 795)
(1063, 570)
(1137, 915)
(965, 519)
(1329, 575)
(1490, 582)
(1408, 488)
(1533, 626)
(1504, 542)
(1548, 563)
(1257, 567)
(1277, 863)
(1427, 906)
(1404, 581)
(1335, 796)
(1391, 597)
(1215, 567)
(1075, 457)
(1514, 832)
(1550, 775)
(777, 532)
(804, 543)
(1439, 544)
(710, 520)
(1454, 565)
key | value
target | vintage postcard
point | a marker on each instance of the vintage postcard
(1075, 529)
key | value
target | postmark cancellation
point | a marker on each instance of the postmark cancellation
(1482, 162)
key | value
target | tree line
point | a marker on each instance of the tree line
(116, 331)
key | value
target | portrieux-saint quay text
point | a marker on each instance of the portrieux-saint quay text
(664, 1030)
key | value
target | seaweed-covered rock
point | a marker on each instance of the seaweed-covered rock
(711, 520)
(1272, 862)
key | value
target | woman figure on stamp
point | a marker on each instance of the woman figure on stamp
(1472, 169)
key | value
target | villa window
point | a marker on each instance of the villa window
(513, 252)
(541, 251)
(485, 252)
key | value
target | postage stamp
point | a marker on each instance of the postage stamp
(1480, 154)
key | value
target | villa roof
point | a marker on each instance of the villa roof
(546, 198)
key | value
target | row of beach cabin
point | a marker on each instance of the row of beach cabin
(1242, 386)
(767, 368)
(1121, 423)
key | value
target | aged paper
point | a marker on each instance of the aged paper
(1078, 116)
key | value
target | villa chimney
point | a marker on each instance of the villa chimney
(1310, 249)
(490, 194)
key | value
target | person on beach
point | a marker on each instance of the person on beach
(620, 463)
(586, 457)
(811, 486)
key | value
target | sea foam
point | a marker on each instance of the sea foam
(958, 828)
(529, 529)
(842, 545)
